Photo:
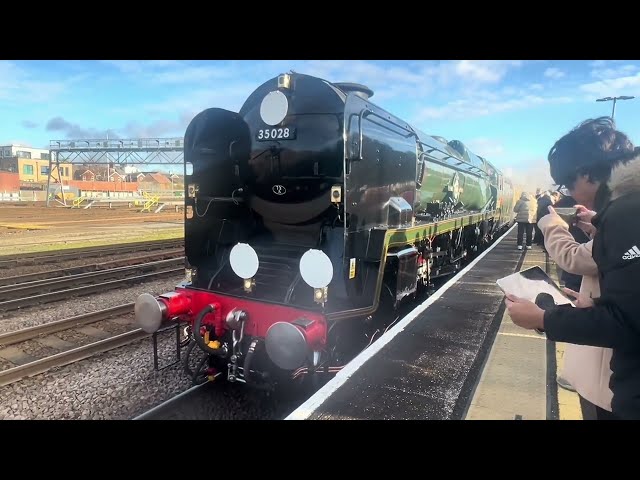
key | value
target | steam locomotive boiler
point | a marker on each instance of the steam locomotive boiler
(310, 216)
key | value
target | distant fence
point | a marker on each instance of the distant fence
(75, 192)
(23, 196)
(109, 187)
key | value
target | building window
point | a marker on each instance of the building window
(7, 153)
(27, 169)
(45, 156)
(23, 154)
(44, 170)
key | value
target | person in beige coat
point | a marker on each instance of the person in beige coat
(525, 210)
(586, 368)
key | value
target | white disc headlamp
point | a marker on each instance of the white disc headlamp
(316, 268)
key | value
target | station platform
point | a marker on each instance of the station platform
(456, 356)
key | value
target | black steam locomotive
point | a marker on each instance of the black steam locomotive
(311, 215)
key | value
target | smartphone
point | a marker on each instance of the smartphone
(569, 215)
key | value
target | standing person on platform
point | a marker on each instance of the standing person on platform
(525, 210)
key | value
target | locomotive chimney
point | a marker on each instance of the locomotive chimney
(357, 88)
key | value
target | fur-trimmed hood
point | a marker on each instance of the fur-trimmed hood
(625, 178)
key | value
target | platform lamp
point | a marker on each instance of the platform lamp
(614, 99)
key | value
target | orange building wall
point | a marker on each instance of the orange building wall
(9, 182)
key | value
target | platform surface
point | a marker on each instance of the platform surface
(457, 356)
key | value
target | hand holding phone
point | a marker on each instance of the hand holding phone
(583, 220)
(569, 215)
(584, 214)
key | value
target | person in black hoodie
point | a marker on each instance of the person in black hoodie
(613, 319)
(544, 201)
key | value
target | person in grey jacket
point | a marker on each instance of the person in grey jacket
(525, 209)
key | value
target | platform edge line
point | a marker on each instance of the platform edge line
(305, 410)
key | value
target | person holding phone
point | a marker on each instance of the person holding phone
(600, 168)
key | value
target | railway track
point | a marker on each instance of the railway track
(32, 278)
(15, 345)
(27, 294)
(57, 256)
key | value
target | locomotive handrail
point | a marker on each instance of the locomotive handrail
(366, 112)
(447, 156)
(468, 168)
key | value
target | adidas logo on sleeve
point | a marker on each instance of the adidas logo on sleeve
(632, 253)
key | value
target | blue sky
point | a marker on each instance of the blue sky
(510, 111)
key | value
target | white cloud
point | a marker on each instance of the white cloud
(626, 85)
(230, 97)
(484, 71)
(19, 86)
(386, 82)
(416, 79)
(609, 73)
(554, 73)
(192, 75)
(486, 104)
(174, 72)
(139, 66)
(486, 147)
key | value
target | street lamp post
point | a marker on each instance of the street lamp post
(614, 99)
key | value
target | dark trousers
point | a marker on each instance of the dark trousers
(539, 237)
(522, 228)
(594, 412)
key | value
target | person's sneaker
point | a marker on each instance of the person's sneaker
(564, 384)
(528, 247)
(519, 247)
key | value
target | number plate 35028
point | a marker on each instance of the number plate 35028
(280, 133)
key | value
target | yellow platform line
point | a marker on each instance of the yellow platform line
(568, 402)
